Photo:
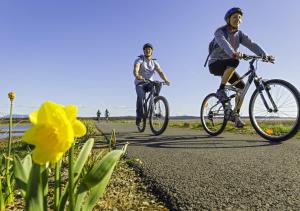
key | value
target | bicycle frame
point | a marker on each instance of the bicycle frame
(252, 76)
(149, 102)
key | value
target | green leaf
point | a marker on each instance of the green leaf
(79, 164)
(97, 179)
(64, 198)
(44, 177)
(35, 189)
(82, 157)
(79, 200)
(97, 192)
(101, 168)
(22, 171)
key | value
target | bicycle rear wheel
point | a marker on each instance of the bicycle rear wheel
(212, 115)
(159, 115)
(282, 122)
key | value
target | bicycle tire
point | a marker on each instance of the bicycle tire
(205, 125)
(166, 116)
(142, 126)
(263, 132)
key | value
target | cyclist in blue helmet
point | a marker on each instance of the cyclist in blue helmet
(144, 68)
(225, 57)
(230, 12)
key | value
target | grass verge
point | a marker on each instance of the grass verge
(126, 190)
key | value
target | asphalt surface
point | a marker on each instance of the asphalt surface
(191, 171)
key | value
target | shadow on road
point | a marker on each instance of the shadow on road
(187, 141)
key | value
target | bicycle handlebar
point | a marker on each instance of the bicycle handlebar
(262, 58)
(149, 81)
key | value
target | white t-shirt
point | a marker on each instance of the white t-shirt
(147, 67)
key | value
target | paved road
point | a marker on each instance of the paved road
(231, 172)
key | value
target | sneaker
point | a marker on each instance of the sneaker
(232, 118)
(138, 121)
(221, 95)
(238, 123)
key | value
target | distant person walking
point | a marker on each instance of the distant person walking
(106, 114)
(98, 115)
(144, 68)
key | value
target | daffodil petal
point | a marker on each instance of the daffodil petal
(50, 112)
(29, 136)
(33, 117)
(79, 129)
(71, 112)
(42, 157)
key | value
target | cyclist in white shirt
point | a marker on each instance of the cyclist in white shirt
(144, 68)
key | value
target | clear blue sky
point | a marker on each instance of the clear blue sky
(82, 52)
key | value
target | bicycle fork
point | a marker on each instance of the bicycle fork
(153, 107)
(261, 87)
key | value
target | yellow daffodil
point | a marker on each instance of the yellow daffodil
(53, 132)
(11, 96)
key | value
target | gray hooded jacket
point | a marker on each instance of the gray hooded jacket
(227, 47)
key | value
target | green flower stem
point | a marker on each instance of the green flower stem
(7, 166)
(2, 203)
(44, 176)
(71, 179)
(57, 192)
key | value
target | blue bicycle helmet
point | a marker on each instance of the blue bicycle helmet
(147, 45)
(231, 12)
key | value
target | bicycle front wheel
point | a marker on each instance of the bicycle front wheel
(212, 115)
(281, 121)
(159, 115)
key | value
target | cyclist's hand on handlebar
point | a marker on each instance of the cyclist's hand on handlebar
(139, 77)
(271, 59)
(168, 83)
(238, 55)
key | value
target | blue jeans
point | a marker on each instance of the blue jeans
(141, 94)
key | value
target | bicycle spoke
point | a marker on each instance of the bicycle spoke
(280, 123)
(159, 115)
(212, 115)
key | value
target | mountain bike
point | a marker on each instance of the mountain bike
(156, 108)
(273, 107)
